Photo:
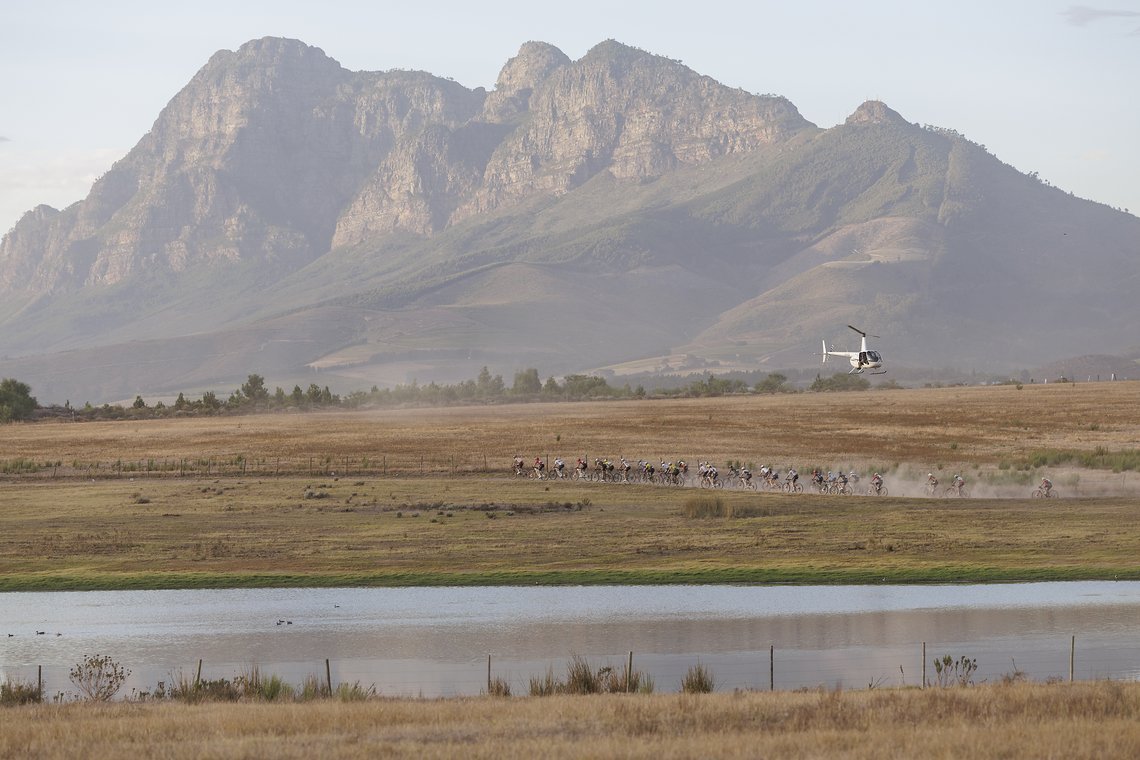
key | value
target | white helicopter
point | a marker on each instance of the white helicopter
(863, 359)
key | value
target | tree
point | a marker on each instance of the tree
(773, 383)
(16, 400)
(313, 394)
(527, 383)
(841, 381)
(139, 403)
(489, 386)
(254, 388)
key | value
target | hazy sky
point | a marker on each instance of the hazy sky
(1046, 86)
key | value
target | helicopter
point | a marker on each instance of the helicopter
(863, 359)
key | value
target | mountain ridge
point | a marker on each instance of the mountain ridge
(622, 191)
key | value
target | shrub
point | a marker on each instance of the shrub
(354, 692)
(98, 677)
(498, 687)
(19, 693)
(546, 685)
(698, 680)
(950, 672)
(255, 686)
(580, 677)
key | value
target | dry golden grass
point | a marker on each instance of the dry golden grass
(1083, 720)
(983, 424)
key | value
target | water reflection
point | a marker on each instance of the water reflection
(435, 641)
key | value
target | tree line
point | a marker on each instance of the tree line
(17, 403)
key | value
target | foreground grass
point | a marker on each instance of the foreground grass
(187, 533)
(1082, 720)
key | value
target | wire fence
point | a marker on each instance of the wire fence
(918, 665)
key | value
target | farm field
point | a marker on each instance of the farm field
(425, 496)
(970, 426)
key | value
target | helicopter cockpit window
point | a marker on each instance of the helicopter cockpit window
(873, 356)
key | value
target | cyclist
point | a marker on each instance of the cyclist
(539, 468)
(559, 467)
(746, 476)
(931, 482)
(792, 476)
(1046, 486)
(518, 465)
(877, 482)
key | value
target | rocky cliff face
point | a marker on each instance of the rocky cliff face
(624, 111)
(274, 154)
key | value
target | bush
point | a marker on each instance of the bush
(498, 687)
(582, 678)
(698, 680)
(98, 677)
(218, 690)
(19, 693)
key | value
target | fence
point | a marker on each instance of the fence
(922, 665)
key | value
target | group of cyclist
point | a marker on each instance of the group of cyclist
(957, 486)
(708, 476)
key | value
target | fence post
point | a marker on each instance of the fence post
(39, 683)
(772, 667)
(198, 677)
(488, 672)
(328, 676)
(1072, 656)
(924, 664)
(629, 673)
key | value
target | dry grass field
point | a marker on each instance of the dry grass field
(415, 505)
(967, 426)
(1082, 720)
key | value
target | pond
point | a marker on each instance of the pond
(436, 641)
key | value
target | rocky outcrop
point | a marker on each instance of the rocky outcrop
(273, 154)
(874, 112)
(625, 111)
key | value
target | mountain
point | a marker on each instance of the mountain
(289, 217)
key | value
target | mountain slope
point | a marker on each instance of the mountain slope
(286, 216)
